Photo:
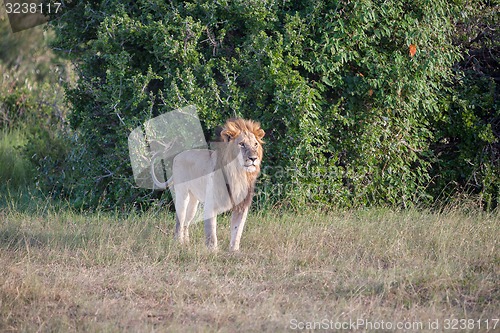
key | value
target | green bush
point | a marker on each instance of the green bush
(351, 114)
(467, 145)
(15, 169)
(41, 139)
(32, 113)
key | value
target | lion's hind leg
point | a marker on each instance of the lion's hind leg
(191, 209)
(181, 204)
(185, 206)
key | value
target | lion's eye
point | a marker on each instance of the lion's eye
(242, 144)
(256, 144)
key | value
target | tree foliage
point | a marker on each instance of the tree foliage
(356, 96)
(467, 145)
(32, 112)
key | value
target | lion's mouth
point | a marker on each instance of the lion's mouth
(250, 167)
(251, 164)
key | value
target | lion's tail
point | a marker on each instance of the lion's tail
(158, 184)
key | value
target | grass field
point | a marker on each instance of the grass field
(365, 270)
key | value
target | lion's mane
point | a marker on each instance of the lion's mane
(240, 183)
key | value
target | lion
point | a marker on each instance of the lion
(223, 179)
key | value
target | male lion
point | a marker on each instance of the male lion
(223, 179)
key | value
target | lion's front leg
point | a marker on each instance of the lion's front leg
(210, 212)
(211, 231)
(238, 219)
(210, 218)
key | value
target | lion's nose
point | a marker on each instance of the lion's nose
(252, 158)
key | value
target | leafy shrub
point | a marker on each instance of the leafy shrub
(351, 94)
(467, 144)
(15, 170)
(32, 112)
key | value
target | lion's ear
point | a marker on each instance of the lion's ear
(230, 131)
(259, 134)
(227, 134)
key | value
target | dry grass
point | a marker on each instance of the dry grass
(68, 272)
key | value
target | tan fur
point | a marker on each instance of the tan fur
(223, 179)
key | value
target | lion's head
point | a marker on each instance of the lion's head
(245, 140)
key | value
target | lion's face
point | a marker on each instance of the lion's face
(250, 152)
(245, 138)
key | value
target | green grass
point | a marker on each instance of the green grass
(15, 169)
(72, 272)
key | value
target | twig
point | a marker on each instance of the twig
(162, 231)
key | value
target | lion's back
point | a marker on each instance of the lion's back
(193, 164)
